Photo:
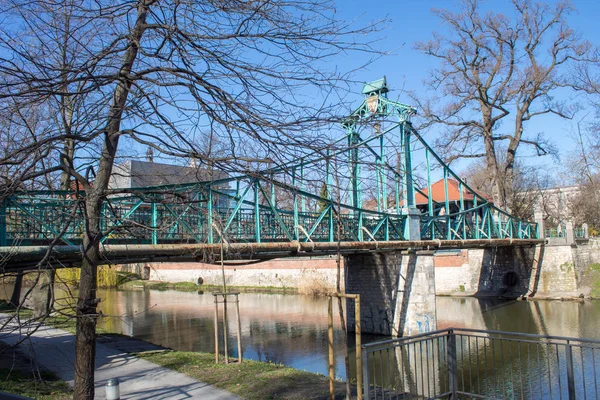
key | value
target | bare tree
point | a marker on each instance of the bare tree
(583, 169)
(526, 191)
(496, 74)
(164, 74)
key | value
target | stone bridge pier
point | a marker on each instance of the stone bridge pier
(397, 292)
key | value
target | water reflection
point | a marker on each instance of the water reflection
(292, 329)
(286, 329)
(555, 318)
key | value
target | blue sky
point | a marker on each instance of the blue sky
(412, 21)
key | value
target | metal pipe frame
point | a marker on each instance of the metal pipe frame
(19, 258)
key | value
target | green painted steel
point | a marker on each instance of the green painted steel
(358, 173)
(257, 215)
(154, 226)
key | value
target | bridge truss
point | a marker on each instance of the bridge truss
(363, 188)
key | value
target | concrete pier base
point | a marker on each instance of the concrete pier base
(397, 292)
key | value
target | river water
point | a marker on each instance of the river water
(292, 329)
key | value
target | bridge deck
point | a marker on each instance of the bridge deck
(21, 258)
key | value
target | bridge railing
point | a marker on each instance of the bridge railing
(468, 363)
(559, 231)
(187, 217)
(479, 223)
(152, 216)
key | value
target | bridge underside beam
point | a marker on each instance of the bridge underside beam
(22, 258)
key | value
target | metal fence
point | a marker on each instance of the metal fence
(580, 232)
(475, 364)
(558, 231)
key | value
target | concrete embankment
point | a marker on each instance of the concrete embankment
(550, 271)
(307, 275)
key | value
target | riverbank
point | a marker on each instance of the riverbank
(54, 350)
(556, 270)
(191, 287)
(250, 380)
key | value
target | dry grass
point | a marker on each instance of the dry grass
(314, 284)
(251, 380)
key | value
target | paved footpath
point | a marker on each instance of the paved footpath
(54, 349)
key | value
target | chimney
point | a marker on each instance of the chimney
(150, 154)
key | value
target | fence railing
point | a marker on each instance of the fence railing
(558, 231)
(561, 231)
(580, 232)
(475, 364)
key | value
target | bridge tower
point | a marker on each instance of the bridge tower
(398, 287)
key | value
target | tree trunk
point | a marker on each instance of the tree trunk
(85, 353)
(492, 171)
(15, 299)
(511, 153)
(85, 342)
(50, 291)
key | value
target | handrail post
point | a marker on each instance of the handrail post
(359, 354)
(365, 374)
(452, 365)
(570, 375)
(330, 346)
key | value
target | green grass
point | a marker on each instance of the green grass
(251, 380)
(251, 289)
(594, 267)
(45, 386)
(191, 286)
(592, 279)
(8, 308)
(155, 285)
(596, 289)
(186, 286)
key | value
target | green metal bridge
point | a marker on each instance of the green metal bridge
(365, 187)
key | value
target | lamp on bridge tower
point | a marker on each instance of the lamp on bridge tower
(372, 91)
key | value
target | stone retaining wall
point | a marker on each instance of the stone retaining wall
(548, 271)
(280, 273)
